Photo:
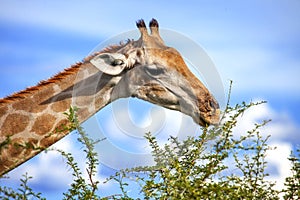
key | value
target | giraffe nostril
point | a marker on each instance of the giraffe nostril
(213, 105)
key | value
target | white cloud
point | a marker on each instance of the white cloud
(281, 128)
(278, 157)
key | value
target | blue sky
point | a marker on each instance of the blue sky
(254, 43)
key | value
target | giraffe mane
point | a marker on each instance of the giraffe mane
(109, 49)
(61, 75)
(28, 91)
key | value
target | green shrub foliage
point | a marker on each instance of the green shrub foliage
(214, 165)
(198, 167)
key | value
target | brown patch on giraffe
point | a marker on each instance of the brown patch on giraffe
(62, 126)
(7, 157)
(14, 123)
(52, 138)
(48, 141)
(13, 149)
(5, 164)
(99, 102)
(43, 124)
(61, 106)
(29, 105)
(138, 53)
(31, 144)
(44, 94)
(28, 145)
(3, 111)
(17, 148)
(83, 113)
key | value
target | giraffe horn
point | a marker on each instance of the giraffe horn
(154, 26)
(142, 27)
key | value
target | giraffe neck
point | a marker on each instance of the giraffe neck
(33, 117)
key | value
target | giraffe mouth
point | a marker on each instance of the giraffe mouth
(204, 121)
(201, 122)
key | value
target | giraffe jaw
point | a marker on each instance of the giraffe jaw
(156, 94)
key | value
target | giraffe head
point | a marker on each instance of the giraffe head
(152, 71)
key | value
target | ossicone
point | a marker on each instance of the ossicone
(153, 23)
(141, 24)
(150, 40)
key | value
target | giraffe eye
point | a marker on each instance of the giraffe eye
(154, 71)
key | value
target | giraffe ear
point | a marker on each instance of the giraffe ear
(109, 63)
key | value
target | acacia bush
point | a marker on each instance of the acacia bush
(214, 165)
(197, 168)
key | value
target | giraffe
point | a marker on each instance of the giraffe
(145, 68)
